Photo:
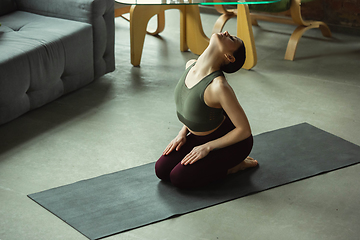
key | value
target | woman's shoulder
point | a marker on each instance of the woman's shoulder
(189, 63)
(220, 81)
(218, 91)
(220, 85)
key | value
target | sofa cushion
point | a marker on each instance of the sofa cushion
(99, 13)
(41, 59)
(7, 6)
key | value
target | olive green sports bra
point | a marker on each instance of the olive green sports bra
(191, 107)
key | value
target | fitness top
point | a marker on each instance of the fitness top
(191, 107)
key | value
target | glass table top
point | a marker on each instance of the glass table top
(194, 2)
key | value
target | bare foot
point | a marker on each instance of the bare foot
(247, 163)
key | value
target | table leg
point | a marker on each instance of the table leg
(244, 32)
(183, 45)
(192, 35)
(196, 39)
(160, 24)
(139, 18)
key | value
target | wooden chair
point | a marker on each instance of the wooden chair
(294, 6)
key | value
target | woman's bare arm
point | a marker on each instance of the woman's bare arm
(219, 93)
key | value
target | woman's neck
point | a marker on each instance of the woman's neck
(208, 62)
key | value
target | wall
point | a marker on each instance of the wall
(340, 15)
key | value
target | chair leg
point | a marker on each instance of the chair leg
(254, 22)
(295, 10)
(325, 30)
(297, 34)
(296, 18)
(294, 40)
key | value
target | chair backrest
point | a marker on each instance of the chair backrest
(7, 6)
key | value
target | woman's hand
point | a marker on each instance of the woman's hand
(176, 143)
(196, 154)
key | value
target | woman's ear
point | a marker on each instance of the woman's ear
(230, 57)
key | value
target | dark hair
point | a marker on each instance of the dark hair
(240, 56)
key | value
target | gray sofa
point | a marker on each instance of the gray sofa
(49, 48)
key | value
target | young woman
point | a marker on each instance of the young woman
(216, 137)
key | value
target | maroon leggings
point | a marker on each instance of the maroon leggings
(208, 169)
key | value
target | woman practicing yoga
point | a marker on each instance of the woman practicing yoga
(216, 137)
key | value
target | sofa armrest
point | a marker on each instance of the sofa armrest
(98, 13)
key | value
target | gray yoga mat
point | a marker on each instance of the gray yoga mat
(120, 201)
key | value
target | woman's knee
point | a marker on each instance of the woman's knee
(178, 180)
(161, 171)
(181, 178)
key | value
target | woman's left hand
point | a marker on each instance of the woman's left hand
(196, 154)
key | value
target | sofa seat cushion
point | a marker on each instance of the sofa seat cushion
(41, 59)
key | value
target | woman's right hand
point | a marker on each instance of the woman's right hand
(176, 144)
